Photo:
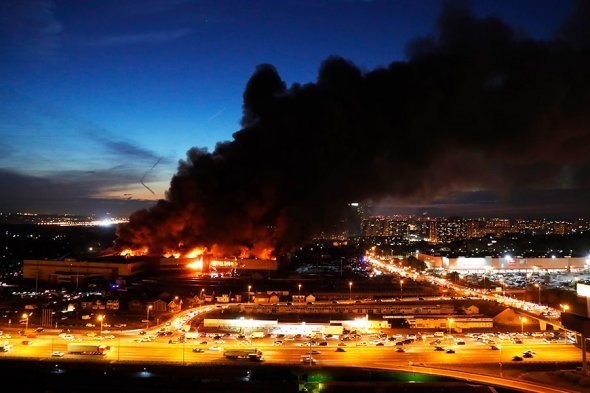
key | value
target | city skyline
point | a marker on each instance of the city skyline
(96, 115)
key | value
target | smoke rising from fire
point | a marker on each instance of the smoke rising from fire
(476, 105)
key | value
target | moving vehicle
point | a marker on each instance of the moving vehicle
(308, 359)
(340, 350)
(198, 350)
(242, 353)
(517, 359)
(86, 349)
(57, 354)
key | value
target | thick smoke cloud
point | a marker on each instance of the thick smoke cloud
(476, 105)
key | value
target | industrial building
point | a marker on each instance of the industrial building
(76, 272)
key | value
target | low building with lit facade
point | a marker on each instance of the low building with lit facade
(507, 262)
(456, 324)
(76, 272)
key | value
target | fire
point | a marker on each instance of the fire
(197, 264)
(215, 250)
(128, 252)
(196, 252)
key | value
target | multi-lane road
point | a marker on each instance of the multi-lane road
(126, 348)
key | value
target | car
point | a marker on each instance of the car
(460, 342)
(527, 355)
(437, 348)
(215, 348)
(517, 341)
(314, 352)
(531, 352)
(308, 359)
(57, 354)
(341, 344)
(203, 343)
(91, 334)
(450, 350)
(90, 325)
(379, 344)
(142, 332)
(517, 359)
(27, 342)
(400, 349)
(198, 350)
(278, 342)
(361, 344)
(494, 347)
(340, 350)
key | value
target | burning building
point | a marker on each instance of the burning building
(477, 106)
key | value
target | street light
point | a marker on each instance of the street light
(249, 288)
(522, 321)
(26, 317)
(539, 286)
(564, 307)
(147, 318)
(350, 290)
(450, 321)
(100, 319)
(299, 286)
(401, 289)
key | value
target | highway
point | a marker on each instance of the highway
(125, 348)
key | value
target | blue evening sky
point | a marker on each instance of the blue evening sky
(93, 93)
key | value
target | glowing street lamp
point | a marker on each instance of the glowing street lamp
(249, 288)
(539, 286)
(100, 319)
(147, 317)
(26, 318)
(522, 321)
(564, 308)
(450, 321)
(350, 290)
(299, 286)
(401, 289)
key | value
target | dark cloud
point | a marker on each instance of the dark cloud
(68, 192)
(476, 106)
(123, 149)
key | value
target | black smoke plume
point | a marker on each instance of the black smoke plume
(476, 106)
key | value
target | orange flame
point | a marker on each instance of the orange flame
(197, 264)
(133, 253)
(196, 252)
